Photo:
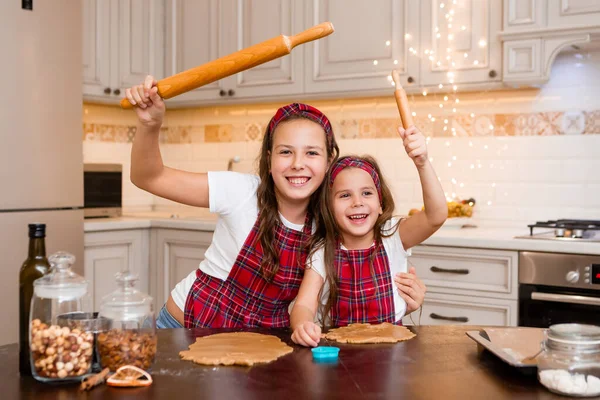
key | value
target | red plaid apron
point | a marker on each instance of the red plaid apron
(364, 296)
(246, 299)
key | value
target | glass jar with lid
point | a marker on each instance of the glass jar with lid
(570, 360)
(129, 334)
(59, 351)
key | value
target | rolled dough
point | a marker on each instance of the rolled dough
(235, 348)
(367, 333)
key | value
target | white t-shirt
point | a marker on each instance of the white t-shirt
(233, 196)
(397, 259)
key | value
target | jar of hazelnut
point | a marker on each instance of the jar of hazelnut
(59, 352)
(129, 337)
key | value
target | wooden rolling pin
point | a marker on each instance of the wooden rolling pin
(402, 101)
(235, 62)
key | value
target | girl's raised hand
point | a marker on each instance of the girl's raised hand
(307, 334)
(150, 108)
(411, 289)
(414, 144)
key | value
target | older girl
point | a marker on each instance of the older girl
(255, 263)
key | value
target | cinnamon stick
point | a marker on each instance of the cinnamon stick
(94, 380)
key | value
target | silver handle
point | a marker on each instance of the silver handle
(566, 298)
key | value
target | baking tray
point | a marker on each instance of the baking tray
(511, 345)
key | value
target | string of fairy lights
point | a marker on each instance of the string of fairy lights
(450, 60)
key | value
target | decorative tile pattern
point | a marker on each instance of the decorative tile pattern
(574, 122)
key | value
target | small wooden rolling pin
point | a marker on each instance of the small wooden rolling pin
(235, 62)
(402, 101)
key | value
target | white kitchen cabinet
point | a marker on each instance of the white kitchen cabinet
(174, 254)
(368, 43)
(443, 309)
(467, 286)
(535, 31)
(465, 34)
(199, 32)
(123, 41)
(109, 252)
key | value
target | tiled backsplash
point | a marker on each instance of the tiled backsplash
(524, 155)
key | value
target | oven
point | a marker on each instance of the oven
(102, 190)
(558, 288)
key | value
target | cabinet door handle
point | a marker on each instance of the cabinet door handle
(492, 73)
(107, 90)
(117, 92)
(459, 271)
(453, 319)
(231, 92)
(222, 93)
(410, 79)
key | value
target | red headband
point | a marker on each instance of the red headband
(352, 162)
(306, 111)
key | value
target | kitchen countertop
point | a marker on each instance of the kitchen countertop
(441, 362)
(483, 237)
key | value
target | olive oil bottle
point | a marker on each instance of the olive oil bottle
(35, 266)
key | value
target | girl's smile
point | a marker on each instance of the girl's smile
(355, 207)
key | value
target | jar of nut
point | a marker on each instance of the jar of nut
(59, 352)
(130, 335)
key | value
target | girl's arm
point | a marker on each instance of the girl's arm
(147, 169)
(306, 332)
(421, 225)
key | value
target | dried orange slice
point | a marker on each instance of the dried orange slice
(129, 376)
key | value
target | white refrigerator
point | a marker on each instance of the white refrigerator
(41, 166)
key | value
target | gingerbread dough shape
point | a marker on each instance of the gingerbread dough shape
(235, 348)
(367, 333)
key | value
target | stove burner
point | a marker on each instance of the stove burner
(576, 226)
(566, 229)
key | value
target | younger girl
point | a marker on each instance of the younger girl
(254, 266)
(364, 246)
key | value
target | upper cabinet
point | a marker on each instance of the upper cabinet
(535, 31)
(432, 43)
(202, 31)
(123, 42)
(459, 42)
(368, 43)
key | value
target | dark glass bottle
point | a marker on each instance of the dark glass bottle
(35, 266)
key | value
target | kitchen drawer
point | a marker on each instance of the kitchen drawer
(489, 273)
(439, 309)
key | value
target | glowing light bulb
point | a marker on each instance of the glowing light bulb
(375, 62)
(407, 36)
(424, 93)
(395, 62)
(440, 86)
(482, 43)
(414, 114)
(387, 42)
(445, 98)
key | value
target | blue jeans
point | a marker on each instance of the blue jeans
(165, 320)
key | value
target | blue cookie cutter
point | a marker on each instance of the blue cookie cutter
(325, 353)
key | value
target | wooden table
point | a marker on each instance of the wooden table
(440, 363)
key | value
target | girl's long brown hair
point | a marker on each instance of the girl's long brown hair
(267, 200)
(330, 238)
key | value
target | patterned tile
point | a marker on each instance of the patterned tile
(218, 133)
(387, 128)
(592, 122)
(367, 129)
(458, 125)
(254, 132)
(348, 129)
